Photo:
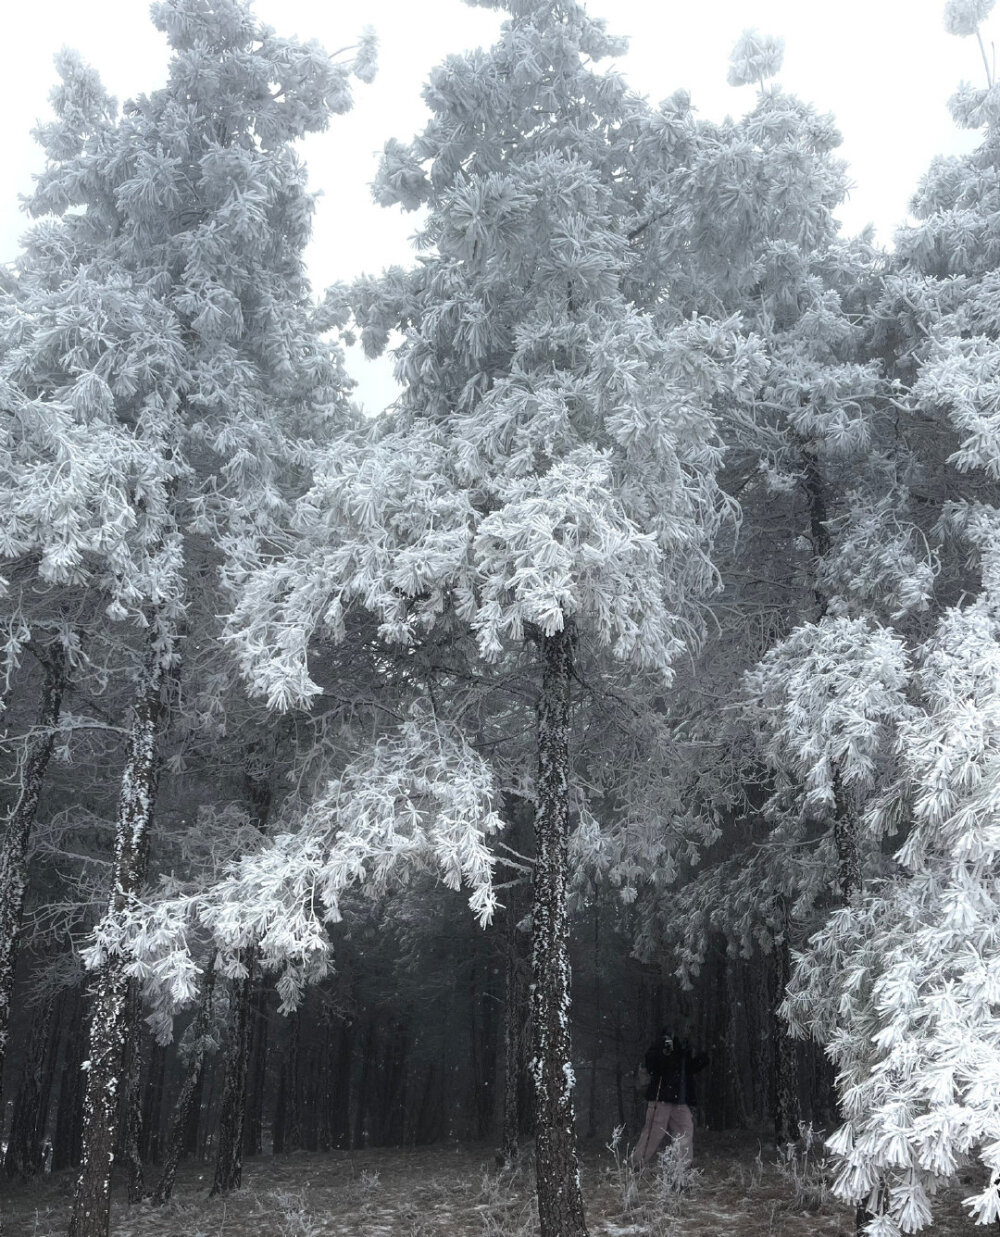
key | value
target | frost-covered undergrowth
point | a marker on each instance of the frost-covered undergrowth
(741, 1189)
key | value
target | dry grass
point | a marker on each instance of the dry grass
(457, 1191)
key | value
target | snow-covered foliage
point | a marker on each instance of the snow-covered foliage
(902, 985)
(827, 700)
(157, 357)
(419, 800)
(755, 57)
(903, 991)
(964, 17)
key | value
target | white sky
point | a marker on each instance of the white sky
(885, 68)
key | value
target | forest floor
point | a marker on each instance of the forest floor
(740, 1189)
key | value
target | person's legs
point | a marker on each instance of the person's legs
(653, 1133)
(680, 1127)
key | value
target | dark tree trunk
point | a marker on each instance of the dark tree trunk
(392, 1107)
(152, 1115)
(14, 846)
(229, 1161)
(786, 1070)
(293, 1111)
(109, 1026)
(340, 1090)
(736, 1034)
(560, 1201)
(25, 1148)
(69, 1108)
(191, 1144)
(131, 1116)
(598, 1016)
(429, 1125)
(232, 1118)
(619, 1072)
(189, 1094)
(513, 1045)
(364, 1088)
(254, 1126)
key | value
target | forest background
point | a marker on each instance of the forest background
(655, 623)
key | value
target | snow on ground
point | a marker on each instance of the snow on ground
(457, 1191)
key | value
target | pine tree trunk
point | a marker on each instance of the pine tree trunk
(786, 1069)
(14, 847)
(293, 1111)
(110, 1025)
(229, 1161)
(737, 1032)
(152, 1114)
(131, 1116)
(24, 1158)
(513, 1022)
(232, 1118)
(560, 1201)
(598, 1019)
(340, 1091)
(190, 1093)
(66, 1143)
(360, 1136)
(254, 1126)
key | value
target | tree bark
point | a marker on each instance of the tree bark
(595, 1051)
(131, 1115)
(232, 1119)
(513, 1023)
(109, 1026)
(340, 1091)
(25, 1155)
(229, 1161)
(66, 1143)
(560, 1200)
(153, 1104)
(253, 1139)
(786, 1070)
(190, 1092)
(14, 848)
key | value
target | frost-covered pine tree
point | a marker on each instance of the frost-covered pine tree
(901, 988)
(548, 477)
(160, 363)
(829, 554)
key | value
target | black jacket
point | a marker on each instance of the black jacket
(672, 1074)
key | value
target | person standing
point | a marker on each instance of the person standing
(671, 1093)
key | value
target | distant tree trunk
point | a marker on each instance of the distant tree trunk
(287, 1119)
(191, 1137)
(340, 1090)
(513, 1023)
(598, 1015)
(560, 1202)
(110, 1025)
(619, 1073)
(14, 846)
(152, 1115)
(393, 1093)
(786, 1109)
(256, 1084)
(311, 1095)
(737, 1033)
(25, 1154)
(69, 1109)
(131, 1116)
(189, 1094)
(229, 1161)
(360, 1135)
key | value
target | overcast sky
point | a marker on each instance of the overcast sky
(885, 68)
